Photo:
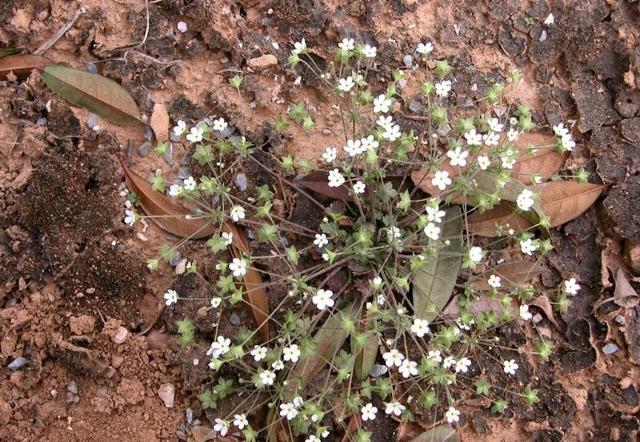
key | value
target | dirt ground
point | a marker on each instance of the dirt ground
(75, 295)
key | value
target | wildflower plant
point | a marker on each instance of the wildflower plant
(393, 306)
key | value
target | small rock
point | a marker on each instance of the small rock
(120, 335)
(148, 133)
(167, 393)
(144, 149)
(168, 155)
(543, 35)
(262, 62)
(181, 267)
(234, 319)
(176, 259)
(620, 320)
(72, 387)
(407, 60)
(241, 181)
(91, 68)
(175, 137)
(416, 107)
(183, 173)
(378, 370)
(42, 121)
(92, 121)
(159, 123)
(537, 318)
(610, 348)
(17, 363)
(182, 27)
(189, 415)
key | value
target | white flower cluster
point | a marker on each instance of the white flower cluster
(566, 140)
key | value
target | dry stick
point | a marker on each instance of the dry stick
(58, 35)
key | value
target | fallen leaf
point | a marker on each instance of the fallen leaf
(22, 64)
(422, 179)
(167, 215)
(434, 281)
(624, 295)
(352, 428)
(441, 433)
(5, 52)
(202, 434)
(318, 181)
(512, 274)
(366, 357)
(159, 122)
(543, 303)
(482, 304)
(99, 94)
(545, 161)
(563, 201)
(503, 214)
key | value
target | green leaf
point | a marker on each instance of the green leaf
(366, 356)
(434, 282)
(99, 94)
(4, 52)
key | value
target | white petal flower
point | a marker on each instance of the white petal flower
(473, 138)
(452, 415)
(130, 217)
(216, 301)
(513, 135)
(443, 88)
(180, 128)
(491, 139)
(425, 48)
(571, 287)
(189, 184)
(347, 44)
(175, 190)
(237, 213)
(408, 368)
(369, 143)
(441, 179)
(353, 147)
(227, 238)
(221, 427)
(525, 313)
(369, 51)
(385, 122)
(434, 214)
(368, 412)
(238, 267)
(432, 231)
(196, 134)
(171, 297)
(458, 157)
(219, 347)
(495, 125)
(240, 421)
(525, 200)
(321, 240)
(299, 47)
(510, 367)
(475, 254)
(462, 365)
(392, 133)
(435, 355)
(448, 362)
(495, 281)
(291, 353)
(345, 84)
(395, 408)
(330, 154)
(393, 358)
(288, 410)
(381, 104)
(322, 299)
(258, 353)
(420, 327)
(267, 377)
(220, 124)
(483, 162)
(528, 246)
(359, 187)
(336, 179)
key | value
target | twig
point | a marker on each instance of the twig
(146, 30)
(55, 37)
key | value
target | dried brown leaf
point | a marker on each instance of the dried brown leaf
(563, 201)
(545, 161)
(318, 181)
(22, 64)
(624, 295)
(503, 214)
(5, 52)
(543, 303)
(512, 274)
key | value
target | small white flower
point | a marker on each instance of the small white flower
(525, 199)
(448, 362)
(216, 301)
(347, 44)
(560, 130)
(549, 20)
(353, 147)
(513, 135)
(330, 154)
(462, 365)
(288, 410)
(277, 365)
(189, 184)
(495, 281)
(238, 267)
(291, 353)
(368, 412)
(432, 231)
(393, 358)
(393, 234)
(434, 214)
(180, 128)
(228, 238)
(130, 217)
(441, 179)
(336, 179)
(571, 287)
(240, 421)
(312, 438)
(220, 124)
(525, 313)
(171, 297)
(425, 48)
(369, 51)
(483, 162)
(219, 347)
(528, 246)
(381, 104)
(395, 408)
(175, 190)
(376, 282)
(473, 138)
(392, 133)
(385, 122)
(196, 134)
(221, 427)
(237, 213)
(458, 157)
(369, 143)
(435, 355)
(420, 327)
(322, 299)
(321, 240)
(359, 187)
(475, 254)
(491, 139)
(495, 125)
(299, 47)
(345, 84)
(267, 377)
(510, 367)
(443, 88)
(258, 353)
(408, 368)
(452, 415)
(567, 142)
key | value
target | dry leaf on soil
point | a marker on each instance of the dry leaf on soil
(318, 181)
(512, 274)
(5, 52)
(503, 214)
(99, 94)
(441, 433)
(366, 357)
(543, 303)
(545, 161)
(624, 295)
(159, 122)
(22, 64)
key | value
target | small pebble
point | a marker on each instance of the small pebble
(92, 121)
(241, 181)
(174, 137)
(17, 363)
(91, 68)
(176, 259)
(610, 348)
(183, 173)
(537, 318)
(72, 387)
(186, 160)
(621, 320)
(181, 267)
(416, 107)
(120, 335)
(234, 319)
(148, 133)
(167, 393)
(182, 27)
(407, 60)
(543, 35)
(378, 370)
(144, 149)
(42, 121)
(168, 156)
(189, 415)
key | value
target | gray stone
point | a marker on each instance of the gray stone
(182, 27)
(241, 181)
(176, 259)
(407, 60)
(181, 267)
(144, 149)
(148, 133)
(91, 68)
(234, 319)
(174, 137)
(168, 156)
(621, 320)
(378, 370)
(17, 363)
(92, 120)
(610, 348)
(183, 173)
(167, 393)
(42, 121)
(416, 107)
(72, 387)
